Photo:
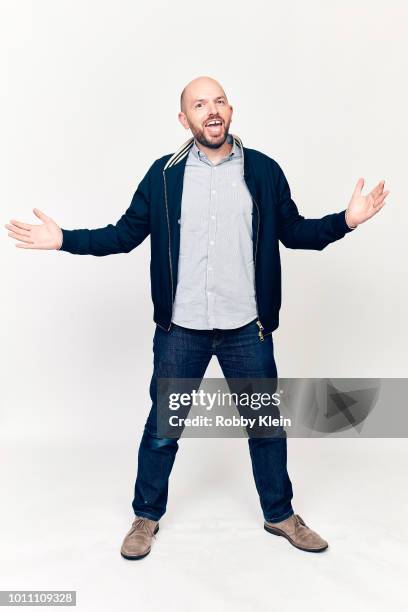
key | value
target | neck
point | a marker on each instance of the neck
(215, 155)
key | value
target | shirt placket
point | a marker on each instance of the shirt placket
(211, 260)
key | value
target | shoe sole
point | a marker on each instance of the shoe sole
(137, 557)
(278, 532)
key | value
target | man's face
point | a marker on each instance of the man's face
(206, 113)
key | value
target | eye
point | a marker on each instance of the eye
(198, 105)
(221, 101)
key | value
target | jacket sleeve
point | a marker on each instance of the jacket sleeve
(129, 231)
(296, 232)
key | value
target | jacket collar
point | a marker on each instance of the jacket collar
(176, 164)
(181, 154)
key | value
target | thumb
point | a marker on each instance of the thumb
(40, 215)
(359, 186)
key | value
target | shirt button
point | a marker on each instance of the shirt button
(212, 217)
(210, 268)
(211, 241)
(214, 192)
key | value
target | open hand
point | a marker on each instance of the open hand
(363, 207)
(48, 235)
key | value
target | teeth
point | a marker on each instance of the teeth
(214, 123)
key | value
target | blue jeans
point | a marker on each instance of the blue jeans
(185, 353)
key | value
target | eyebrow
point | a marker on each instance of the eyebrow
(203, 99)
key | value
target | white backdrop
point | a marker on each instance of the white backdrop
(89, 98)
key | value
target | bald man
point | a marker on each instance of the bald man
(215, 212)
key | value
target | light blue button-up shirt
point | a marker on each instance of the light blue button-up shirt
(215, 287)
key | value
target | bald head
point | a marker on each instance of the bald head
(197, 88)
(205, 111)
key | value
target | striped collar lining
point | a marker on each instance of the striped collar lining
(183, 151)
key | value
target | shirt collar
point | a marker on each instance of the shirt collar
(235, 151)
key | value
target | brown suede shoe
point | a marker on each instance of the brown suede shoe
(298, 533)
(138, 541)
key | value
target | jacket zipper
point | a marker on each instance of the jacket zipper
(168, 229)
(260, 333)
(258, 322)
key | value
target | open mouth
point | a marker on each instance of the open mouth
(214, 127)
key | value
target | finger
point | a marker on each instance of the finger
(378, 208)
(22, 245)
(359, 186)
(378, 189)
(38, 213)
(381, 199)
(17, 230)
(20, 224)
(19, 237)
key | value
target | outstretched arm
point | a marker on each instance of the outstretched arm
(296, 232)
(131, 229)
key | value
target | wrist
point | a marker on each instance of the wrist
(60, 241)
(349, 221)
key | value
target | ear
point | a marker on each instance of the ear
(183, 120)
(232, 109)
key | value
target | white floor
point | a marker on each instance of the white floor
(66, 508)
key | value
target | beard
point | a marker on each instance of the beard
(214, 142)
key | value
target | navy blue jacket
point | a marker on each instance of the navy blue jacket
(155, 209)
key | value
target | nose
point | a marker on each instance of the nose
(212, 108)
